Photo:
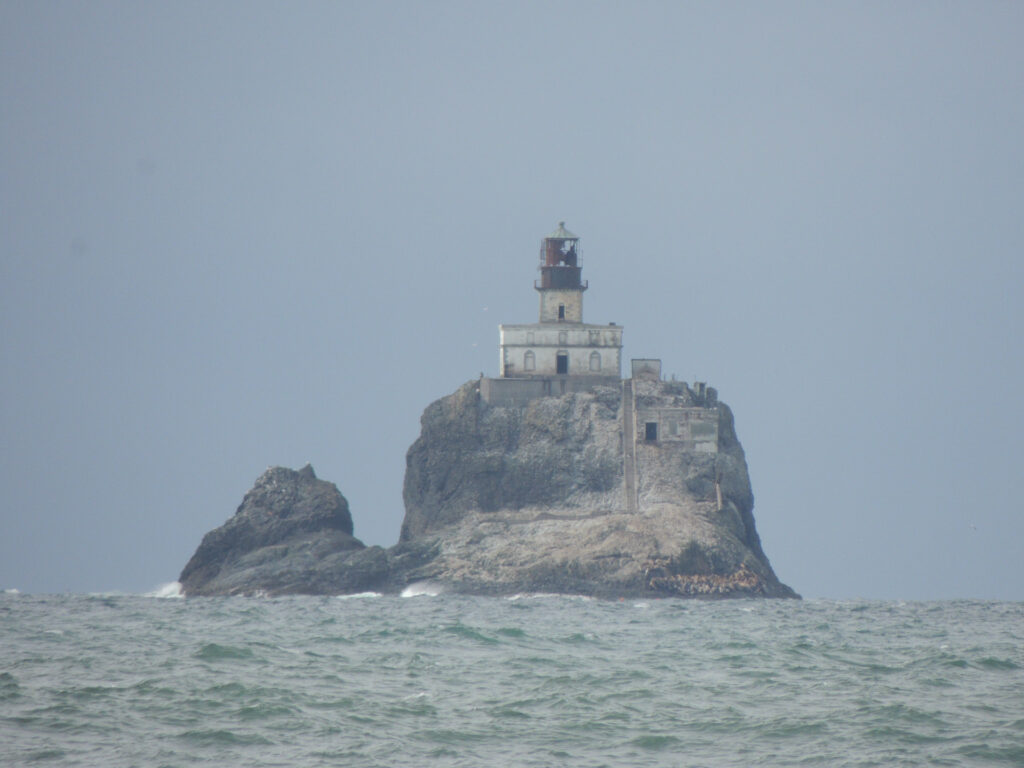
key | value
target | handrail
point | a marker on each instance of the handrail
(584, 285)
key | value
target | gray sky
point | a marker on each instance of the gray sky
(234, 235)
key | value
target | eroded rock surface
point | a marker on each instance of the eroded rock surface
(291, 534)
(532, 499)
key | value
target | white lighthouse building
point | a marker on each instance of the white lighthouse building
(559, 353)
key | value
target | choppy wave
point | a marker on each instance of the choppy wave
(170, 589)
(359, 596)
(535, 681)
(547, 596)
(422, 589)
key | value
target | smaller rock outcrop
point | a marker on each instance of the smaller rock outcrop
(292, 534)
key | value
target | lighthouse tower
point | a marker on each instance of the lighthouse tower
(561, 347)
(560, 287)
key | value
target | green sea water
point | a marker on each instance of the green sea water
(535, 680)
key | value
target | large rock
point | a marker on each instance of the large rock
(291, 534)
(510, 499)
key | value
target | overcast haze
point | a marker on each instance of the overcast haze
(235, 235)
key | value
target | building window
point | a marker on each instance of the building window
(595, 361)
(562, 362)
(561, 311)
(529, 361)
(651, 431)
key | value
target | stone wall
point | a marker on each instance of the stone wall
(570, 298)
(518, 392)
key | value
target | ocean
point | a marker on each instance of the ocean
(534, 680)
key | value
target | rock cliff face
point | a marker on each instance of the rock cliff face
(473, 460)
(542, 497)
(533, 498)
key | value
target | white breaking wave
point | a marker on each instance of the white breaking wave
(170, 589)
(421, 588)
(358, 596)
(548, 596)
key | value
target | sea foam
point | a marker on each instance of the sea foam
(170, 589)
(422, 588)
(358, 596)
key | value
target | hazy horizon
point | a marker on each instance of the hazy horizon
(237, 235)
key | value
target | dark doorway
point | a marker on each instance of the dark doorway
(561, 311)
(562, 363)
(652, 431)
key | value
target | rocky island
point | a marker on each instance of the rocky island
(557, 476)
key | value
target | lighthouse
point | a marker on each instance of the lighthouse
(561, 350)
(560, 287)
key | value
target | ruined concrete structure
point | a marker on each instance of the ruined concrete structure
(693, 427)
